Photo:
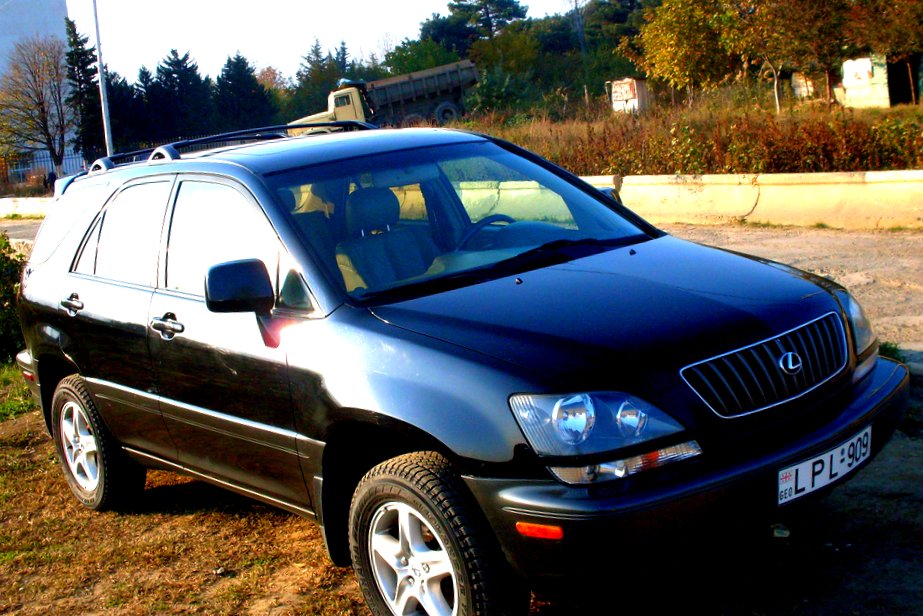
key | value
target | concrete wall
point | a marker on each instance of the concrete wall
(861, 200)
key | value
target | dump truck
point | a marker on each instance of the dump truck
(403, 100)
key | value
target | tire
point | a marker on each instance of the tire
(98, 472)
(446, 112)
(419, 546)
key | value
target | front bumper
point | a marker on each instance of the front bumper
(594, 517)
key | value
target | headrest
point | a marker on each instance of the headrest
(370, 209)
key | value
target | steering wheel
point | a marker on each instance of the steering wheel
(476, 227)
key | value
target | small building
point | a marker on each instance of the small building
(802, 86)
(628, 95)
(865, 83)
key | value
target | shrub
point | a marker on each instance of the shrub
(11, 264)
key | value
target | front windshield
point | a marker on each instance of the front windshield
(420, 220)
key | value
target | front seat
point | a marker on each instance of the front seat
(378, 252)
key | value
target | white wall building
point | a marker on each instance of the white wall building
(20, 19)
(23, 18)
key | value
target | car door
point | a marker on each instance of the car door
(104, 308)
(224, 385)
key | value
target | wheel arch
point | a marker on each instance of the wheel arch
(352, 448)
(52, 369)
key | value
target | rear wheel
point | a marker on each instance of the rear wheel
(99, 474)
(446, 112)
(419, 546)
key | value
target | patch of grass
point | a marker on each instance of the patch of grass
(757, 224)
(16, 216)
(821, 225)
(15, 397)
(891, 350)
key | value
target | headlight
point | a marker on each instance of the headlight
(586, 423)
(862, 334)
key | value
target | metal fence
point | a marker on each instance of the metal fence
(20, 168)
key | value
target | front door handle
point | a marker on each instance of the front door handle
(167, 325)
(72, 304)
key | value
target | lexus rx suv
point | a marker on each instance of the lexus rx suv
(467, 365)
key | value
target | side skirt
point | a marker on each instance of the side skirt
(157, 462)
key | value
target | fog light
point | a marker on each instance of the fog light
(629, 466)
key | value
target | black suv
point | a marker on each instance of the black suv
(466, 364)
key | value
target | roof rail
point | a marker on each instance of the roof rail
(105, 163)
(171, 151)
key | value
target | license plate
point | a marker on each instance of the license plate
(829, 467)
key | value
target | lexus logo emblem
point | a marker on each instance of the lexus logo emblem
(790, 363)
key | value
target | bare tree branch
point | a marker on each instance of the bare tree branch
(33, 112)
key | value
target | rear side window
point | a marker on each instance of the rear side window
(124, 243)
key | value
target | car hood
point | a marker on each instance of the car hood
(626, 318)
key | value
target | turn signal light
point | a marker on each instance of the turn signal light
(540, 531)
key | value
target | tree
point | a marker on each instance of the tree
(488, 16)
(34, 114)
(892, 28)
(412, 56)
(681, 43)
(452, 32)
(513, 51)
(83, 97)
(822, 46)
(179, 100)
(762, 29)
(127, 113)
(240, 100)
(316, 77)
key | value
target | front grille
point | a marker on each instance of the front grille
(752, 379)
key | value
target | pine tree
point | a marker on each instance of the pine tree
(489, 16)
(179, 100)
(240, 100)
(83, 95)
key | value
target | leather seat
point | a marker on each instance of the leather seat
(379, 251)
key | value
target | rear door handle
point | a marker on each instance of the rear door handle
(167, 325)
(72, 304)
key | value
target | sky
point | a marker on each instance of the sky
(276, 33)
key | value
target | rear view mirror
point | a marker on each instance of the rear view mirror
(239, 286)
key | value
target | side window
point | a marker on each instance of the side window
(212, 224)
(125, 241)
(342, 101)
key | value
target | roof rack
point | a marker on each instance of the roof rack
(171, 151)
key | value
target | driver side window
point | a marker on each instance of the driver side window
(214, 223)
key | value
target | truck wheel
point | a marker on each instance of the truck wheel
(418, 545)
(99, 474)
(446, 112)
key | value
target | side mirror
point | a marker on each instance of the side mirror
(611, 193)
(239, 286)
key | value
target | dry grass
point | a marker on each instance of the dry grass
(720, 138)
(185, 548)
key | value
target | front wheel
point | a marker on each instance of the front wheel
(419, 547)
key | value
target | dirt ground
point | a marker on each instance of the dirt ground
(191, 548)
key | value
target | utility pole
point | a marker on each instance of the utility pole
(101, 72)
(581, 36)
